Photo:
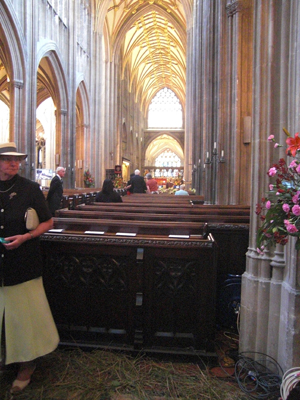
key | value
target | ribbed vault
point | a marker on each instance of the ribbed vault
(152, 38)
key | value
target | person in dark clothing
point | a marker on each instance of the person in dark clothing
(129, 187)
(27, 328)
(107, 194)
(138, 183)
(56, 190)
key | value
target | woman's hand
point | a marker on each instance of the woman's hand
(17, 240)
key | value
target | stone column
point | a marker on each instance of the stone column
(271, 297)
(15, 110)
(278, 265)
(256, 279)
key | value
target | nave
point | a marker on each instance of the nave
(97, 65)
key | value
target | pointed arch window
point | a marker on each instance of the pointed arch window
(165, 110)
(167, 159)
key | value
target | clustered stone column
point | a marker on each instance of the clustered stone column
(270, 293)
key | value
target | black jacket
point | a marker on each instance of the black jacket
(138, 184)
(55, 194)
(25, 262)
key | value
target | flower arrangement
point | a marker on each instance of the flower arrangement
(88, 180)
(118, 182)
(177, 181)
(280, 210)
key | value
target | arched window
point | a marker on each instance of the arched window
(167, 159)
(165, 110)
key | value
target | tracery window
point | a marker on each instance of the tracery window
(165, 110)
(167, 159)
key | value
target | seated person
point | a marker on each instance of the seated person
(107, 194)
(182, 191)
(152, 186)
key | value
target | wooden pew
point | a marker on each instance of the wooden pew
(148, 292)
(162, 209)
(230, 231)
(151, 224)
(148, 215)
(162, 198)
(229, 226)
(140, 227)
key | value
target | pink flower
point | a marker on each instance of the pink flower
(272, 171)
(270, 138)
(268, 204)
(291, 228)
(286, 208)
(276, 145)
(293, 164)
(271, 187)
(296, 210)
(286, 222)
(295, 198)
(260, 250)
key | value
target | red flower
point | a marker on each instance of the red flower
(294, 145)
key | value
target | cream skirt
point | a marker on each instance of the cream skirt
(30, 331)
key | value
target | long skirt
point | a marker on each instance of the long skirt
(30, 331)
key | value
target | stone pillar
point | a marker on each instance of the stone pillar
(197, 78)
(271, 297)
(256, 279)
(278, 265)
(62, 140)
(190, 172)
(15, 118)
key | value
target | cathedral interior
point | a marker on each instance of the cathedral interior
(179, 88)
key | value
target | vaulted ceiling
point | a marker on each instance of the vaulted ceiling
(152, 38)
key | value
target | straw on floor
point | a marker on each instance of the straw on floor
(104, 375)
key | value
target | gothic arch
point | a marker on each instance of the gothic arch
(13, 42)
(49, 50)
(14, 57)
(51, 82)
(82, 129)
(160, 143)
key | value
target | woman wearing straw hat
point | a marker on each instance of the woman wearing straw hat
(25, 318)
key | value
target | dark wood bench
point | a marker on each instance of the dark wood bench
(148, 292)
(149, 215)
(230, 231)
(162, 198)
(163, 209)
(140, 227)
(119, 232)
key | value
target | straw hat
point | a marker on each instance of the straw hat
(10, 149)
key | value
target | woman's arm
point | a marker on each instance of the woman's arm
(17, 240)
